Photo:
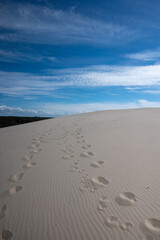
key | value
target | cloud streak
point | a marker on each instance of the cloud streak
(113, 76)
(17, 111)
(37, 24)
(14, 56)
(152, 91)
(16, 83)
(146, 56)
(55, 110)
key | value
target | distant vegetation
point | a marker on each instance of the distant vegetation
(10, 121)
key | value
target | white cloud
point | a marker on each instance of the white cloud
(17, 111)
(146, 55)
(39, 24)
(152, 91)
(55, 110)
(132, 88)
(111, 76)
(148, 104)
(24, 84)
(13, 56)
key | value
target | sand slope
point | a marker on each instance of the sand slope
(88, 176)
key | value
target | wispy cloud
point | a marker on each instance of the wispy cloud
(143, 90)
(148, 55)
(152, 91)
(16, 83)
(25, 84)
(143, 103)
(13, 56)
(55, 110)
(17, 111)
(132, 89)
(39, 24)
(110, 76)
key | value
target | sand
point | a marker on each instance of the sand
(90, 176)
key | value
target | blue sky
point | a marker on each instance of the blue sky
(65, 57)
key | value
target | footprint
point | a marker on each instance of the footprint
(77, 131)
(94, 183)
(111, 221)
(5, 234)
(34, 145)
(37, 141)
(82, 189)
(68, 145)
(75, 167)
(36, 138)
(45, 134)
(98, 182)
(86, 146)
(90, 154)
(81, 141)
(68, 151)
(75, 163)
(151, 228)
(68, 157)
(126, 199)
(126, 226)
(3, 209)
(30, 164)
(103, 203)
(86, 154)
(16, 177)
(13, 190)
(28, 157)
(96, 164)
(36, 150)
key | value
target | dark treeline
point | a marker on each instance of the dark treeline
(10, 121)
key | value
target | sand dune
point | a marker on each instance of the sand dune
(88, 176)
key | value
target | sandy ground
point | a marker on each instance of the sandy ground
(91, 176)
